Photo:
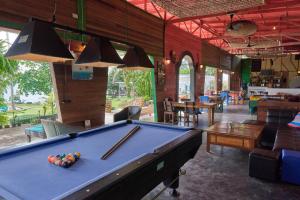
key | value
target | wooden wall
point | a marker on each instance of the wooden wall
(115, 19)
(19, 11)
(106, 18)
(112, 18)
(235, 81)
(180, 41)
(215, 57)
(79, 100)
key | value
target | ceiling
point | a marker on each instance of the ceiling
(278, 23)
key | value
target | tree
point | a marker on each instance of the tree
(49, 103)
(137, 83)
(113, 77)
(35, 79)
(8, 72)
(3, 115)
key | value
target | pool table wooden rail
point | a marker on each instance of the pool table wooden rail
(134, 179)
(139, 177)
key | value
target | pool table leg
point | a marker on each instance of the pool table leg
(173, 183)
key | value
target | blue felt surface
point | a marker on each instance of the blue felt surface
(26, 173)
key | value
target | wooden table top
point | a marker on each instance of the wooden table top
(238, 129)
(197, 105)
(214, 97)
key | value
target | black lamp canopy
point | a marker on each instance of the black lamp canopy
(136, 59)
(38, 41)
(99, 52)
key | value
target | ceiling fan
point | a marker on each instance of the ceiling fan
(249, 45)
(240, 28)
(231, 20)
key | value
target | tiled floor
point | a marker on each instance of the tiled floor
(224, 175)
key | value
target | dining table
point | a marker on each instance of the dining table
(215, 99)
(199, 105)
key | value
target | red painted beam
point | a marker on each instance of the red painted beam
(294, 6)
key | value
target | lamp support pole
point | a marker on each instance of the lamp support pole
(81, 22)
(154, 90)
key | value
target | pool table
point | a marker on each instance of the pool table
(152, 155)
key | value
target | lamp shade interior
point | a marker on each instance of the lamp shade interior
(99, 52)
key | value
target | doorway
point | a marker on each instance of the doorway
(186, 79)
(225, 81)
(210, 85)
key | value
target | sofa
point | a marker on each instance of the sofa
(267, 161)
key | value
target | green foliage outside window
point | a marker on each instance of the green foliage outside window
(137, 83)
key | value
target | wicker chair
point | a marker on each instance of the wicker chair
(130, 112)
(55, 128)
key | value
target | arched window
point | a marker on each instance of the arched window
(186, 79)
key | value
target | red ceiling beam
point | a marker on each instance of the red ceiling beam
(258, 19)
(257, 10)
(154, 6)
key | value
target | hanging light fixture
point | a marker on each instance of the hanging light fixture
(99, 52)
(38, 41)
(136, 59)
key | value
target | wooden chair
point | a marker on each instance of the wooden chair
(191, 110)
(169, 112)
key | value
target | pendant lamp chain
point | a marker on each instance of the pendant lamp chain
(126, 21)
(54, 12)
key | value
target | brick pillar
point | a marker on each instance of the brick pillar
(235, 81)
(200, 80)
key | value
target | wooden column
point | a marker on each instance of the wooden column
(200, 80)
(219, 80)
(79, 100)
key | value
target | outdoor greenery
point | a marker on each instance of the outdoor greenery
(30, 78)
(35, 79)
(7, 71)
(137, 83)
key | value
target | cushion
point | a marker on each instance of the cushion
(290, 166)
(296, 122)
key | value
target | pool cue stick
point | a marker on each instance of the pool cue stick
(120, 142)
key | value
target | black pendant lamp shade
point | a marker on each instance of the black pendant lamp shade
(38, 41)
(136, 59)
(99, 52)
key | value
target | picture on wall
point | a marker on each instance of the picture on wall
(82, 72)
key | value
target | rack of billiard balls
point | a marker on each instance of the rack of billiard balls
(64, 160)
